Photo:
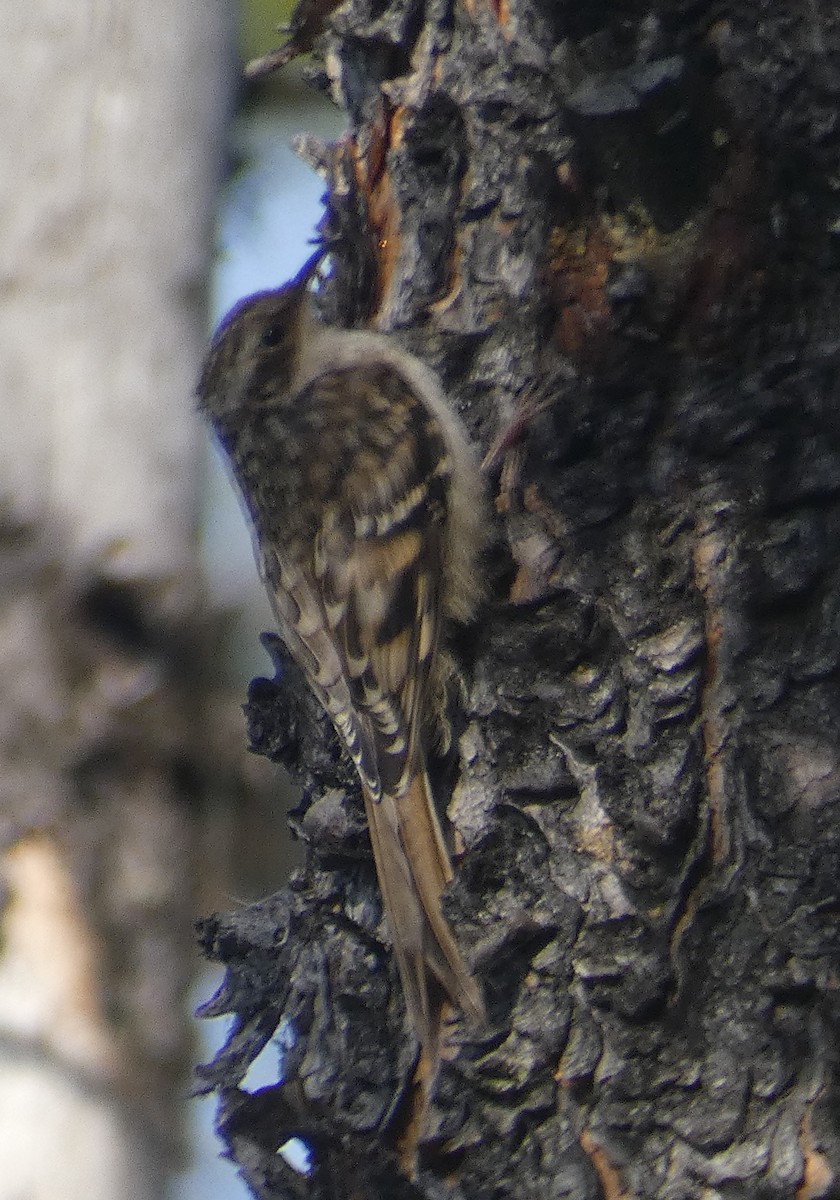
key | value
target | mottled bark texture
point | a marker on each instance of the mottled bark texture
(615, 234)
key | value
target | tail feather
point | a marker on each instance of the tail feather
(413, 868)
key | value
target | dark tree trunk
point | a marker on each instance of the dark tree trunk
(616, 237)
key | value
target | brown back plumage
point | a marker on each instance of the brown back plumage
(347, 473)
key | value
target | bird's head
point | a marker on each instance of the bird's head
(255, 352)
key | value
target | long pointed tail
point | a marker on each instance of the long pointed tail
(413, 868)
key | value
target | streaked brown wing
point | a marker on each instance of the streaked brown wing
(303, 622)
(378, 557)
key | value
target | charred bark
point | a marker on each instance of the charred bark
(615, 235)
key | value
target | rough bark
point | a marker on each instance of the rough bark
(615, 236)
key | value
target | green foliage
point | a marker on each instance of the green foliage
(258, 21)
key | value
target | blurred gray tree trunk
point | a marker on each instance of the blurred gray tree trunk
(617, 237)
(110, 135)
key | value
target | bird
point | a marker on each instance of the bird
(366, 503)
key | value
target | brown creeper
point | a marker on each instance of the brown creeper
(366, 504)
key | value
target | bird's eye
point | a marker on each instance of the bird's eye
(272, 335)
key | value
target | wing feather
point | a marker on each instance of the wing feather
(359, 602)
